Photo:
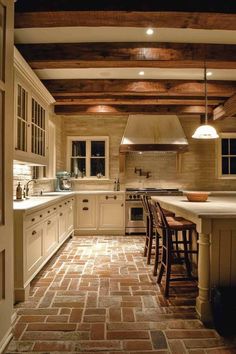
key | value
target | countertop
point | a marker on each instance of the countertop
(217, 206)
(35, 202)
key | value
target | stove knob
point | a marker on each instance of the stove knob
(130, 196)
(135, 196)
(138, 196)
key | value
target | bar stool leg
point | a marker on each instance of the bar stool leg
(147, 238)
(150, 240)
(163, 258)
(157, 249)
(186, 259)
(168, 263)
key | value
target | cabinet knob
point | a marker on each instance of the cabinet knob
(48, 211)
(49, 222)
(41, 215)
(60, 205)
(122, 204)
(85, 208)
(33, 219)
(107, 197)
(65, 203)
(115, 197)
(55, 208)
(61, 214)
(34, 232)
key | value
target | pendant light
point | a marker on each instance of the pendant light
(205, 131)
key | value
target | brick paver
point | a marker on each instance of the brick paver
(97, 295)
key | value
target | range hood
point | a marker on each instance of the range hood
(153, 133)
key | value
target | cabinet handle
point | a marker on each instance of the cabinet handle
(113, 197)
(48, 211)
(68, 201)
(40, 215)
(60, 205)
(85, 200)
(55, 208)
(85, 208)
(122, 204)
(33, 219)
(65, 203)
(34, 232)
(49, 222)
(61, 214)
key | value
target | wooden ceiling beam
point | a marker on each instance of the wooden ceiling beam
(74, 87)
(169, 55)
(228, 109)
(126, 109)
(138, 101)
(125, 18)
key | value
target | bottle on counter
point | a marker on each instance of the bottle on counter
(115, 185)
(118, 185)
(24, 193)
(18, 191)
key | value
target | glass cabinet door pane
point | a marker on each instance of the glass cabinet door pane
(78, 148)
(98, 148)
(2, 42)
(97, 167)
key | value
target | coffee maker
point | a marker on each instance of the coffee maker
(63, 183)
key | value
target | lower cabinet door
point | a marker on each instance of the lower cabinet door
(34, 249)
(111, 216)
(86, 212)
(70, 219)
(50, 236)
(62, 225)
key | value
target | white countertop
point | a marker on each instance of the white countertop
(35, 202)
(217, 206)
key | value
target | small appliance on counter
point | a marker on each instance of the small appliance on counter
(63, 183)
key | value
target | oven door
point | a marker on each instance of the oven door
(134, 217)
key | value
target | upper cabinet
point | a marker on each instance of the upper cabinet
(32, 105)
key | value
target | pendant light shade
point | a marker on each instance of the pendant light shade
(205, 131)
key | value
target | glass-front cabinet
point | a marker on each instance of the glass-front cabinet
(88, 157)
(32, 102)
(227, 155)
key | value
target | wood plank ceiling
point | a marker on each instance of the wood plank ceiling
(99, 59)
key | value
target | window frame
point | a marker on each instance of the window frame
(230, 135)
(88, 140)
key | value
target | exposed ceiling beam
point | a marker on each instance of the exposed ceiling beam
(127, 109)
(228, 109)
(138, 101)
(131, 5)
(75, 87)
(169, 55)
(125, 18)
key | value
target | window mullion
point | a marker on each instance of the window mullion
(88, 158)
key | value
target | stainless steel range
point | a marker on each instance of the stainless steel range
(134, 215)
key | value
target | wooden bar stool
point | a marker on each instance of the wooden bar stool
(151, 232)
(175, 231)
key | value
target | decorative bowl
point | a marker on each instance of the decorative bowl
(197, 196)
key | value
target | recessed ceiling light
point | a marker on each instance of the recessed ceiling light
(149, 31)
(209, 73)
(141, 73)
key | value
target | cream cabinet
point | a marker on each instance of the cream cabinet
(86, 212)
(37, 236)
(100, 213)
(31, 109)
(111, 212)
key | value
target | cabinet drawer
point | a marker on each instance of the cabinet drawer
(34, 218)
(111, 197)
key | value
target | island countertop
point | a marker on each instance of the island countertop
(217, 206)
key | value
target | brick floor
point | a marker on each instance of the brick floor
(98, 295)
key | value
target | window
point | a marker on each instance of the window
(227, 155)
(88, 157)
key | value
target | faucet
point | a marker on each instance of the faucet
(27, 187)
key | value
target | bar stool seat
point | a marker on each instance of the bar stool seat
(175, 231)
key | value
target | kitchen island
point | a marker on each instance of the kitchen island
(215, 220)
